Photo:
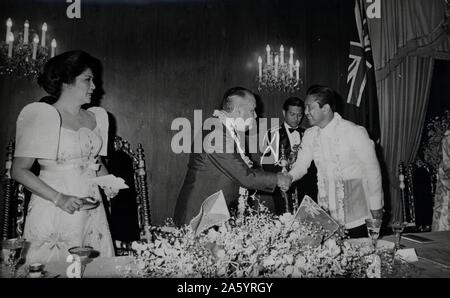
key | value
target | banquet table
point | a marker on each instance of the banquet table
(433, 261)
(99, 267)
(434, 257)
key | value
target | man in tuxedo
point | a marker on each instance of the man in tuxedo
(223, 164)
(287, 138)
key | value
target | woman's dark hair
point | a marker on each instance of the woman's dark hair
(64, 68)
(324, 95)
(48, 99)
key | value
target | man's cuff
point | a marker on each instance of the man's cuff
(376, 203)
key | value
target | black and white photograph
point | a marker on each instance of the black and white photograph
(224, 146)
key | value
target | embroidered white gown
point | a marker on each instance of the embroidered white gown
(50, 230)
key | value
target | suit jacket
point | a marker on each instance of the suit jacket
(215, 169)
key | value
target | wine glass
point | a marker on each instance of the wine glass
(397, 228)
(84, 252)
(12, 250)
(373, 228)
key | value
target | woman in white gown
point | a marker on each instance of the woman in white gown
(66, 140)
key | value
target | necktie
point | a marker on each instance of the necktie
(291, 130)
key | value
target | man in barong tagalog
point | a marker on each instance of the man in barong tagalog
(348, 172)
(223, 164)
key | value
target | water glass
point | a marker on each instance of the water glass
(84, 252)
(373, 228)
(12, 252)
(397, 228)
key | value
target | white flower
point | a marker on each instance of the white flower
(212, 235)
(333, 249)
(289, 259)
(278, 224)
(297, 273)
(374, 269)
(141, 264)
(220, 254)
(300, 262)
(269, 261)
(222, 271)
(159, 252)
(286, 218)
(289, 270)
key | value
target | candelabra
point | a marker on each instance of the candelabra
(276, 75)
(21, 58)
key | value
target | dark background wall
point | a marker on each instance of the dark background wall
(163, 59)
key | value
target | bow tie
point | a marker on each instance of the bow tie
(291, 130)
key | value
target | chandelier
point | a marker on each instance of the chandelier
(21, 57)
(277, 75)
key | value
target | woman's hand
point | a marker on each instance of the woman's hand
(110, 192)
(70, 204)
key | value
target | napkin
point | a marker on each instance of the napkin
(214, 211)
(407, 254)
(110, 181)
(310, 212)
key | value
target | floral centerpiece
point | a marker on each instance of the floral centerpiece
(261, 245)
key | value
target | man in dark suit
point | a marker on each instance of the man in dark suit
(223, 165)
(287, 138)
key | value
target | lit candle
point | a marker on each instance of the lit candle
(291, 66)
(26, 27)
(35, 43)
(276, 65)
(44, 30)
(10, 44)
(268, 54)
(8, 29)
(291, 52)
(54, 48)
(297, 69)
(260, 67)
(281, 55)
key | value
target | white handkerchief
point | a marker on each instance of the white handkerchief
(407, 254)
(110, 181)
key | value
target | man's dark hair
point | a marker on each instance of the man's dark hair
(227, 103)
(293, 101)
(324, 95)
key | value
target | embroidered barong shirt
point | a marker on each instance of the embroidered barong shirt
(349, 177)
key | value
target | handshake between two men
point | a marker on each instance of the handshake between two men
(284, 181)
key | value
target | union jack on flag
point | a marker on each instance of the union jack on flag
(361, 58)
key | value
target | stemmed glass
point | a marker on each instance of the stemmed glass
(84, 252)
(397, 228)
(12, 251)
(373, 228)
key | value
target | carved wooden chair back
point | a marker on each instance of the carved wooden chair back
(15, 200)
(417, 188)
(140, 184)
